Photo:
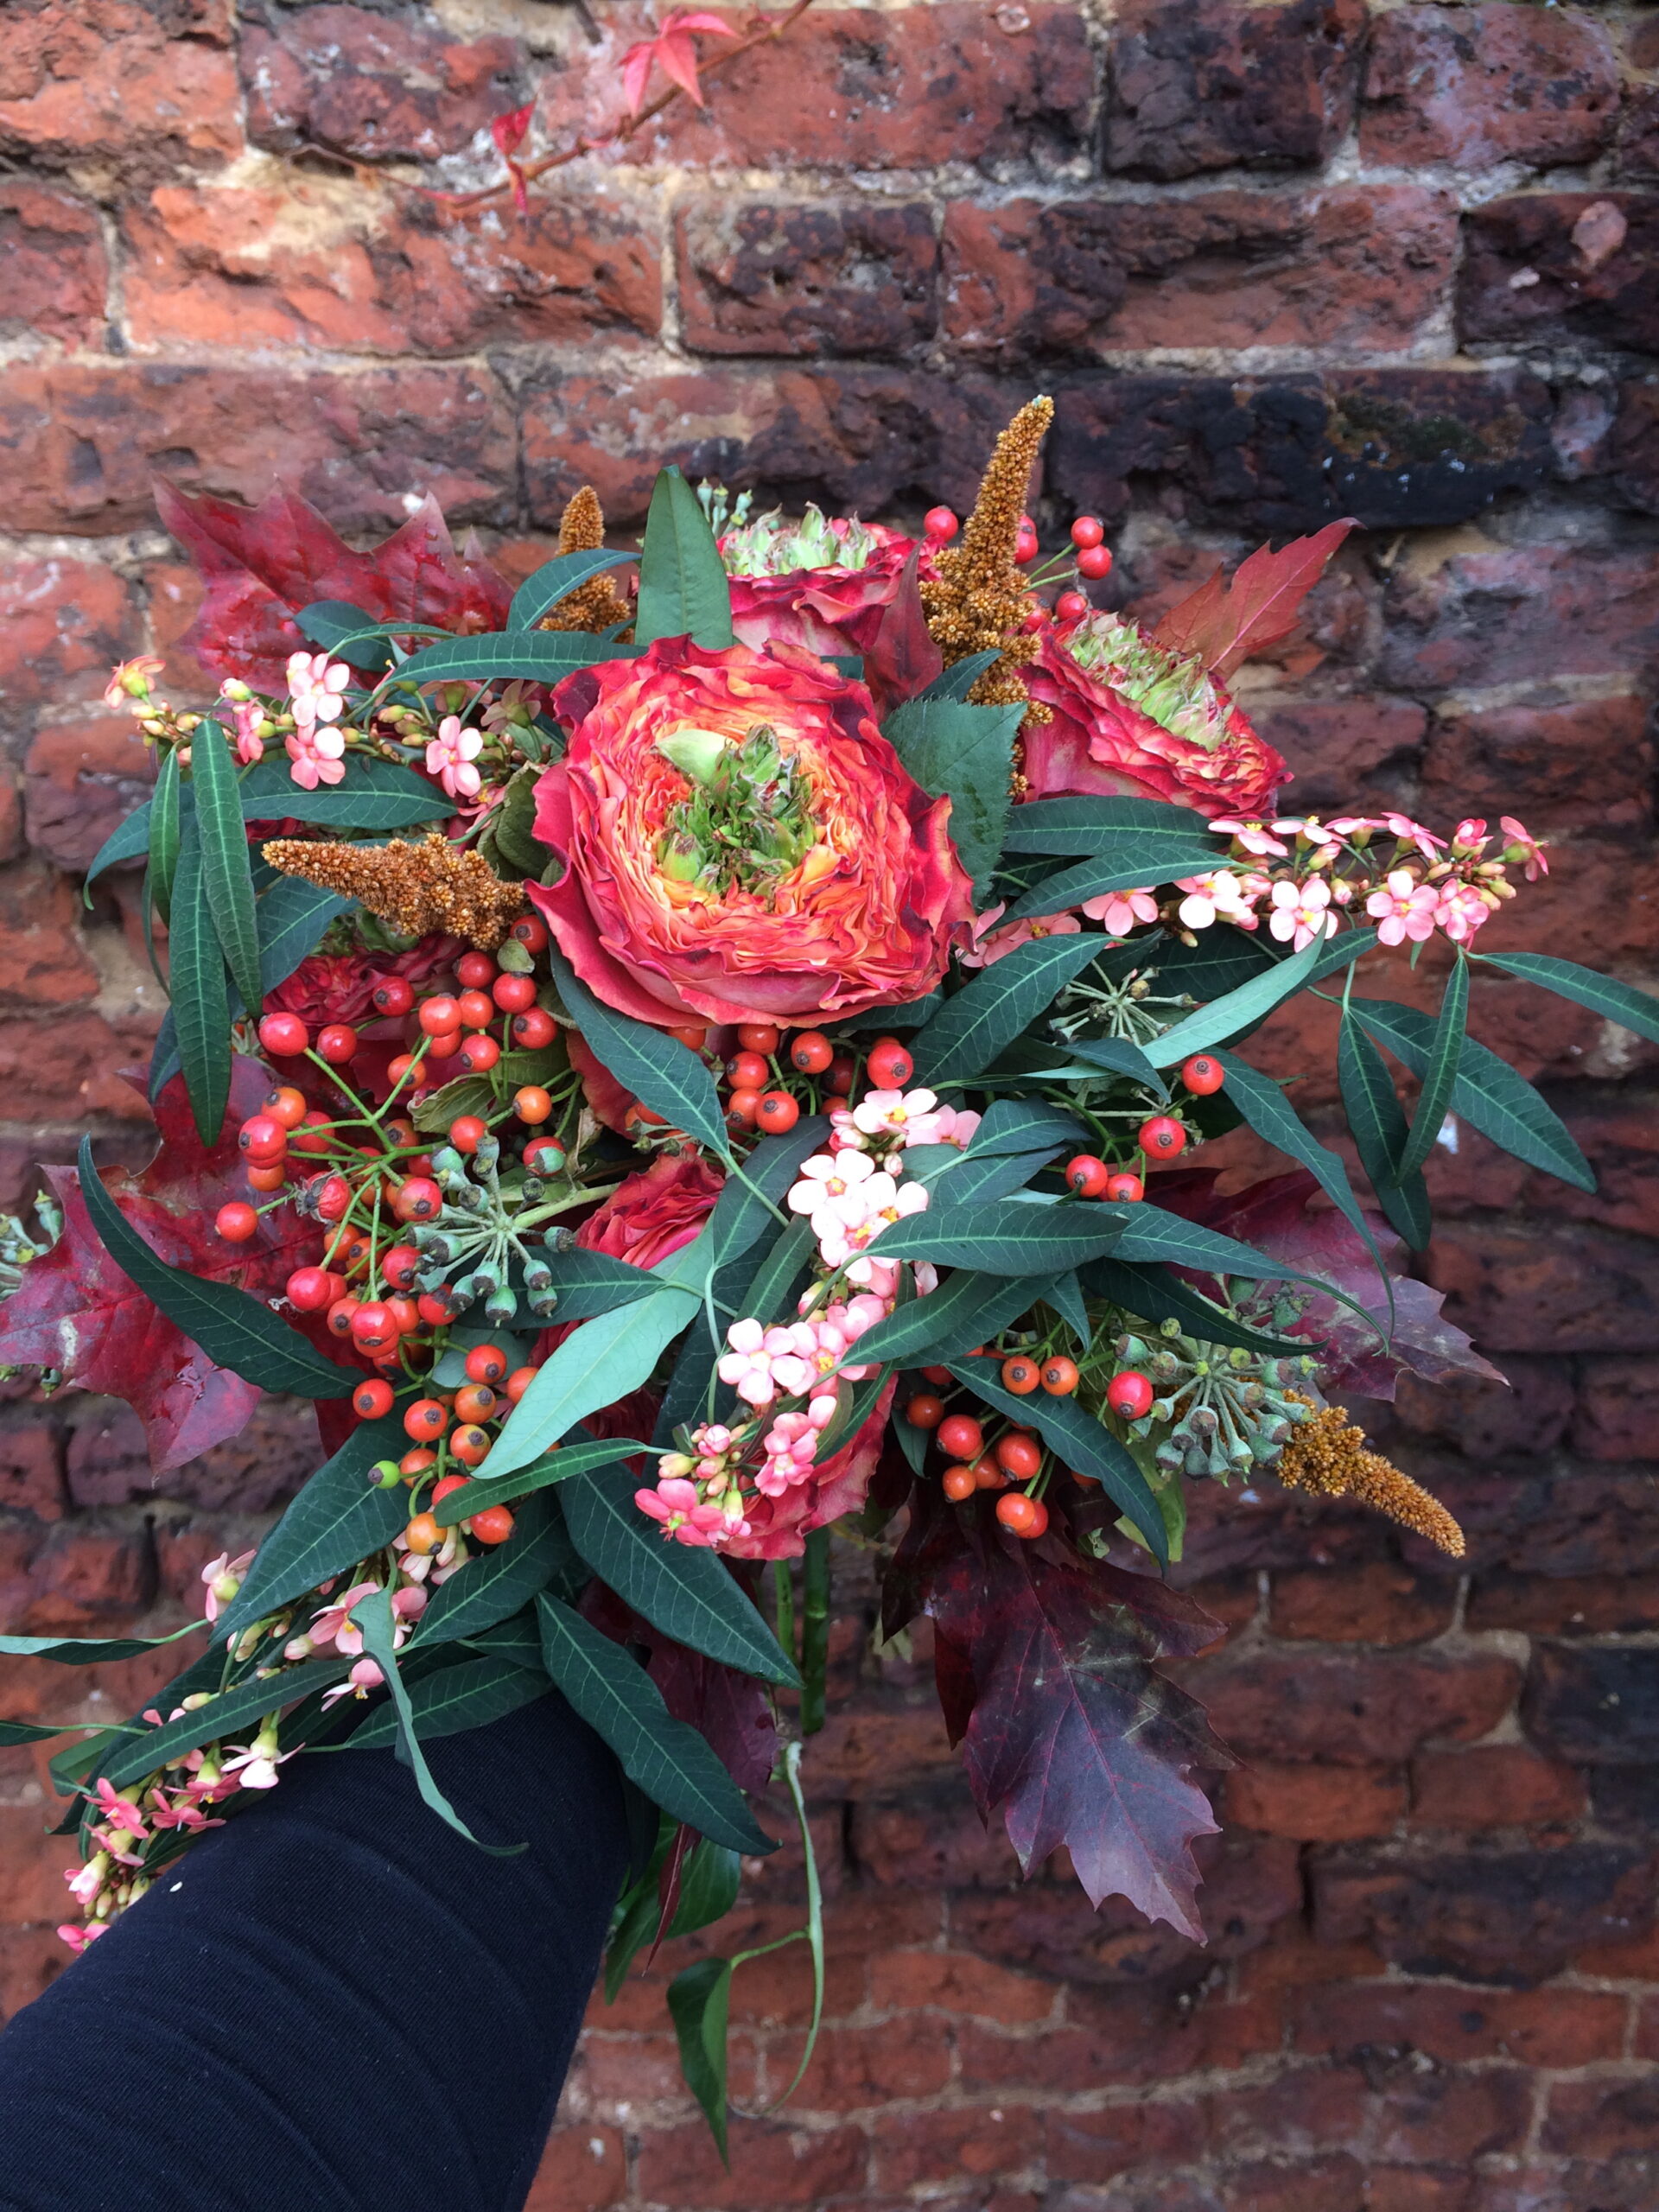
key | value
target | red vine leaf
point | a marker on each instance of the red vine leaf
(1224, 623)
(1047, 1675)
(75, 1309)
(261, 565)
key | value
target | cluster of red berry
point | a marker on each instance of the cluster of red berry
(1093, 557)
(449, 1429)
(1016, 1456)
(1162, 1136)
(756, 1096)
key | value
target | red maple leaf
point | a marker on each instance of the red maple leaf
(1046, 1672)
(75, 1309)
(1224, 623)
(262, 564)
(673, 49)
(508, 132)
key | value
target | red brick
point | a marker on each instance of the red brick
(1353, 1710)
(31, 1469)
(91, 439)
(1316, 1804)
(371, 85)
(1585, 261)
(56, 274)
(862, 1748)
(932, 1845)
(1565, 1605)
(1481, 1420)
(854, 2068)
(1619, 1404)
(42, 962)
(1339, 748)
(1602, 2117)
(1443, 2116)
(1540, 761)
(1378, 1604)
(44, 1064)
(31, 1865)
(1630, 456)
(63, 625)
(1477, 87)
(770, 2165)
(31, 1959)
(855, 438)
(781, 276)
(1638, 133)
(1495, 1786)
(81, 780)
(582, 2169)
(1357, 266)
(1535, 2027)
(315, 264)
(1122, 2035)
(856, 89)
(1499, 617)
(78, 1578)
(954, 1983)
(1267, 84)
(1584, 1291)
(82, 79)
(916, 2148)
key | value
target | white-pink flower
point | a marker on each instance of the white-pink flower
(451, 755)
(1470, 836)
(248, 716)
(222, 1578)
(1255, 837)
(316, 687)
(1461, 911)
(908, 1116)
(1218, 896)
(318, 756)
(826, 1176)
(1413, 833)
(1302, 911)
(998, 943)
(130, 681)
(1403, 908)
(1121, 910)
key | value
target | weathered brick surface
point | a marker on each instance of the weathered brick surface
(1278, 263)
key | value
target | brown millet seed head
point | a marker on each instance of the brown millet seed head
(1330, 1457)
(597, 605)
(414, 889)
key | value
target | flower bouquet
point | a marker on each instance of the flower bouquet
(671, 1062)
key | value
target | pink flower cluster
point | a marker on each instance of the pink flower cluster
(849, 1200)
(316, 687)
(452, 756)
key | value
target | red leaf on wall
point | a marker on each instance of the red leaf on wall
(261, 565)
(1046, 1677)
(76, 1310)
(1224, 623)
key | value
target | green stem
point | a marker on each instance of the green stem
(815, 1630)
(783, 1602)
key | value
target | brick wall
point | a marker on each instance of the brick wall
(1277, 263)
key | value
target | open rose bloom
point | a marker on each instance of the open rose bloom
(742, 843)
(711, 1113)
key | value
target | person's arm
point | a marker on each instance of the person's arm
(334, 2003)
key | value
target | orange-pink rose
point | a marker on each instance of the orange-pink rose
(742, 843)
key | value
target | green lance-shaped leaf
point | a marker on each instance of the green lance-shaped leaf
(959, 679)
(163, 816)
(600, 1362)
(1064, 1296)
(200, 990)
(373, 1616)
(225, 875)
(347, 632)
(556, 580)
(1078, 826)
(1440, 1075)
(592, 1283)
(570, 1460)
(535, 1556)
(699, 2002)
(685, 1591)
(235, 1329)
(227, 1716)
(1123, 1058)
(965, 1310)
(292, 915)
(340, 1517)
(964, 752)
(1488, 1094)
(1620, 1002)
(743, 1211)
(664, 1757)
(1240, 1010)
(88, 1650)
(1006, 1236)
(965, 1182)
(1135, 860)
(1082, 1444)
(509, 655)
(377, 796)
(1377, 1123)
(129, 840)
(683, 591)
(1270, 1114)
(468, 1695)
(660, 1072)
(1153, 1293)
(1022, 1124)
(965, 1036)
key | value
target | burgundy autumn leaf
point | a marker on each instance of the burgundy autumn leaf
(261, 565)
(1224, 623)
(1047, 1676)
(75, 1309)
(903, 658)
(673, 50)
(1275, 1216)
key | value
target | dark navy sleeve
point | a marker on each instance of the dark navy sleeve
(334, 2003)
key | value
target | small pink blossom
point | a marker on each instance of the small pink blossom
(1523, 846)
(119, 1811)
(85, 1882)
(1403, 908)
(1461, 911)
(1121, 910)
(222, 1578)
(1413, 833)
(79, 1938)
(1219, 896)
(1469, 837)
(248, 717)
(130, 681)
(450, 757)
(316, 686)
(318, 756)
(1255, 837)
(1301, 912)
(999, 943)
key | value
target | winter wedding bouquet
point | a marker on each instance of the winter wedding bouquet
(708, 1047)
